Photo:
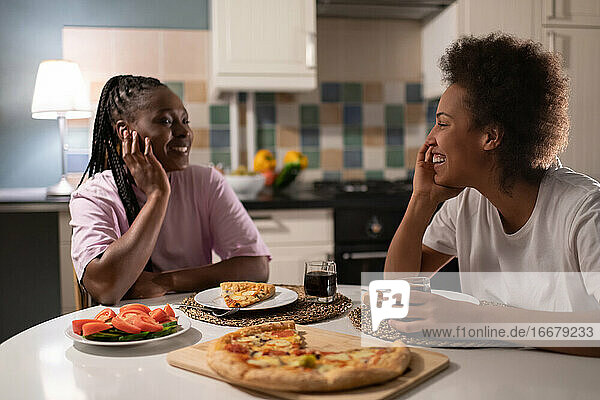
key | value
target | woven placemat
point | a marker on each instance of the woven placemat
(386, 332)
(301, 311)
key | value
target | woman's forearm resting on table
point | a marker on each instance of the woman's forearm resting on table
(109, 277)
(405, 251)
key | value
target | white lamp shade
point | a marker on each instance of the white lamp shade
(59, 91)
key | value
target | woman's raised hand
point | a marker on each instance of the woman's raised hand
(424, 185)
(148, 173)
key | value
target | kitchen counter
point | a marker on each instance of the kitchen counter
(42, 363)
(299, 195)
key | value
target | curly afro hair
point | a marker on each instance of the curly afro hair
(518, 87)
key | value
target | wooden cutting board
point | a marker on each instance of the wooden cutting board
(423, 365)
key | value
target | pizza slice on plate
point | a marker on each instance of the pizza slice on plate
(243, 294)
(274, 356)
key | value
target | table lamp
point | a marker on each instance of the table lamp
(60, 93)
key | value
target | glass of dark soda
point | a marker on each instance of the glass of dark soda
(320, 281)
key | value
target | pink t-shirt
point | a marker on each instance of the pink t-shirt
(203, 214)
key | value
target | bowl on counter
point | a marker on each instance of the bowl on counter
(246, 187)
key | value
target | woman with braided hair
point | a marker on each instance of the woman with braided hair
(144, 222)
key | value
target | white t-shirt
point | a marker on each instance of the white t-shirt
(552, 263)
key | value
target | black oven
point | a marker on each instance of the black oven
(367, 214)
(362, 237)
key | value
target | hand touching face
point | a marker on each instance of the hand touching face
(165, 122)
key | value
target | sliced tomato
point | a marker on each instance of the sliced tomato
(124, 325)
(145, 323)
(135, 306)
(78, 324)
(169, 311)
(127, 313)
(94, 327)
(105, 315)
(159, 315)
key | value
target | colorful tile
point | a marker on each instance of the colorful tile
(221, 157)
(353, 175)
(265, 114)
(352, 115)
(288, 136)
(394, 156)
(311, 97)
(411, 156)
(265, 97)
(374, 175)
(373, 136)
(353, 136)
(373, 114)
(309, 137)
(219, 115)
(394, 136)
(414, 113)
(314, 158)
(332, 159)
(373, 92)
(331, 92)
(176, 87)
(194, 91)
(332, 137)
(332, 176)
(199, 156)
(394, 92)
(201, 138)
(285, 98)
(288, 114)
(265, 137)
(414, 93)
(198, 114)
(431, 111)
(415, 135)
(352, 93)
(394, 174)
(219, 138)
(330, 114)
(394, 115)
(310, 175)
(309, 115)
(353, 159)
(77, 138)
(374, 158)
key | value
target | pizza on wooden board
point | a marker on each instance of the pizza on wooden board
(243, 294)
(274, 356)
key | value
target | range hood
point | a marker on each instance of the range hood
(416, 10)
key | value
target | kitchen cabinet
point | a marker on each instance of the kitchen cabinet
(474, 17)
(575, 13)
(294, 236)
(580, 48)
(263, 45)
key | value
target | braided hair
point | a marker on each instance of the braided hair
(121, 98)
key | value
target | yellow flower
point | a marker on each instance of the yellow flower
(296, 156)
(264, 161)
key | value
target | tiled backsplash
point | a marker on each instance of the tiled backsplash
(349, 130)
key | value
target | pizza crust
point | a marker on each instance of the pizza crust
(233, 366)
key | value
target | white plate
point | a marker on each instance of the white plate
(456, 296)
(212, 298)
(183, 321)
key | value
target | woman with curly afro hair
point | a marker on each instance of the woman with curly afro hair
(508, 204)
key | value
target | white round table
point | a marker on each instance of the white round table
(42, 363)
